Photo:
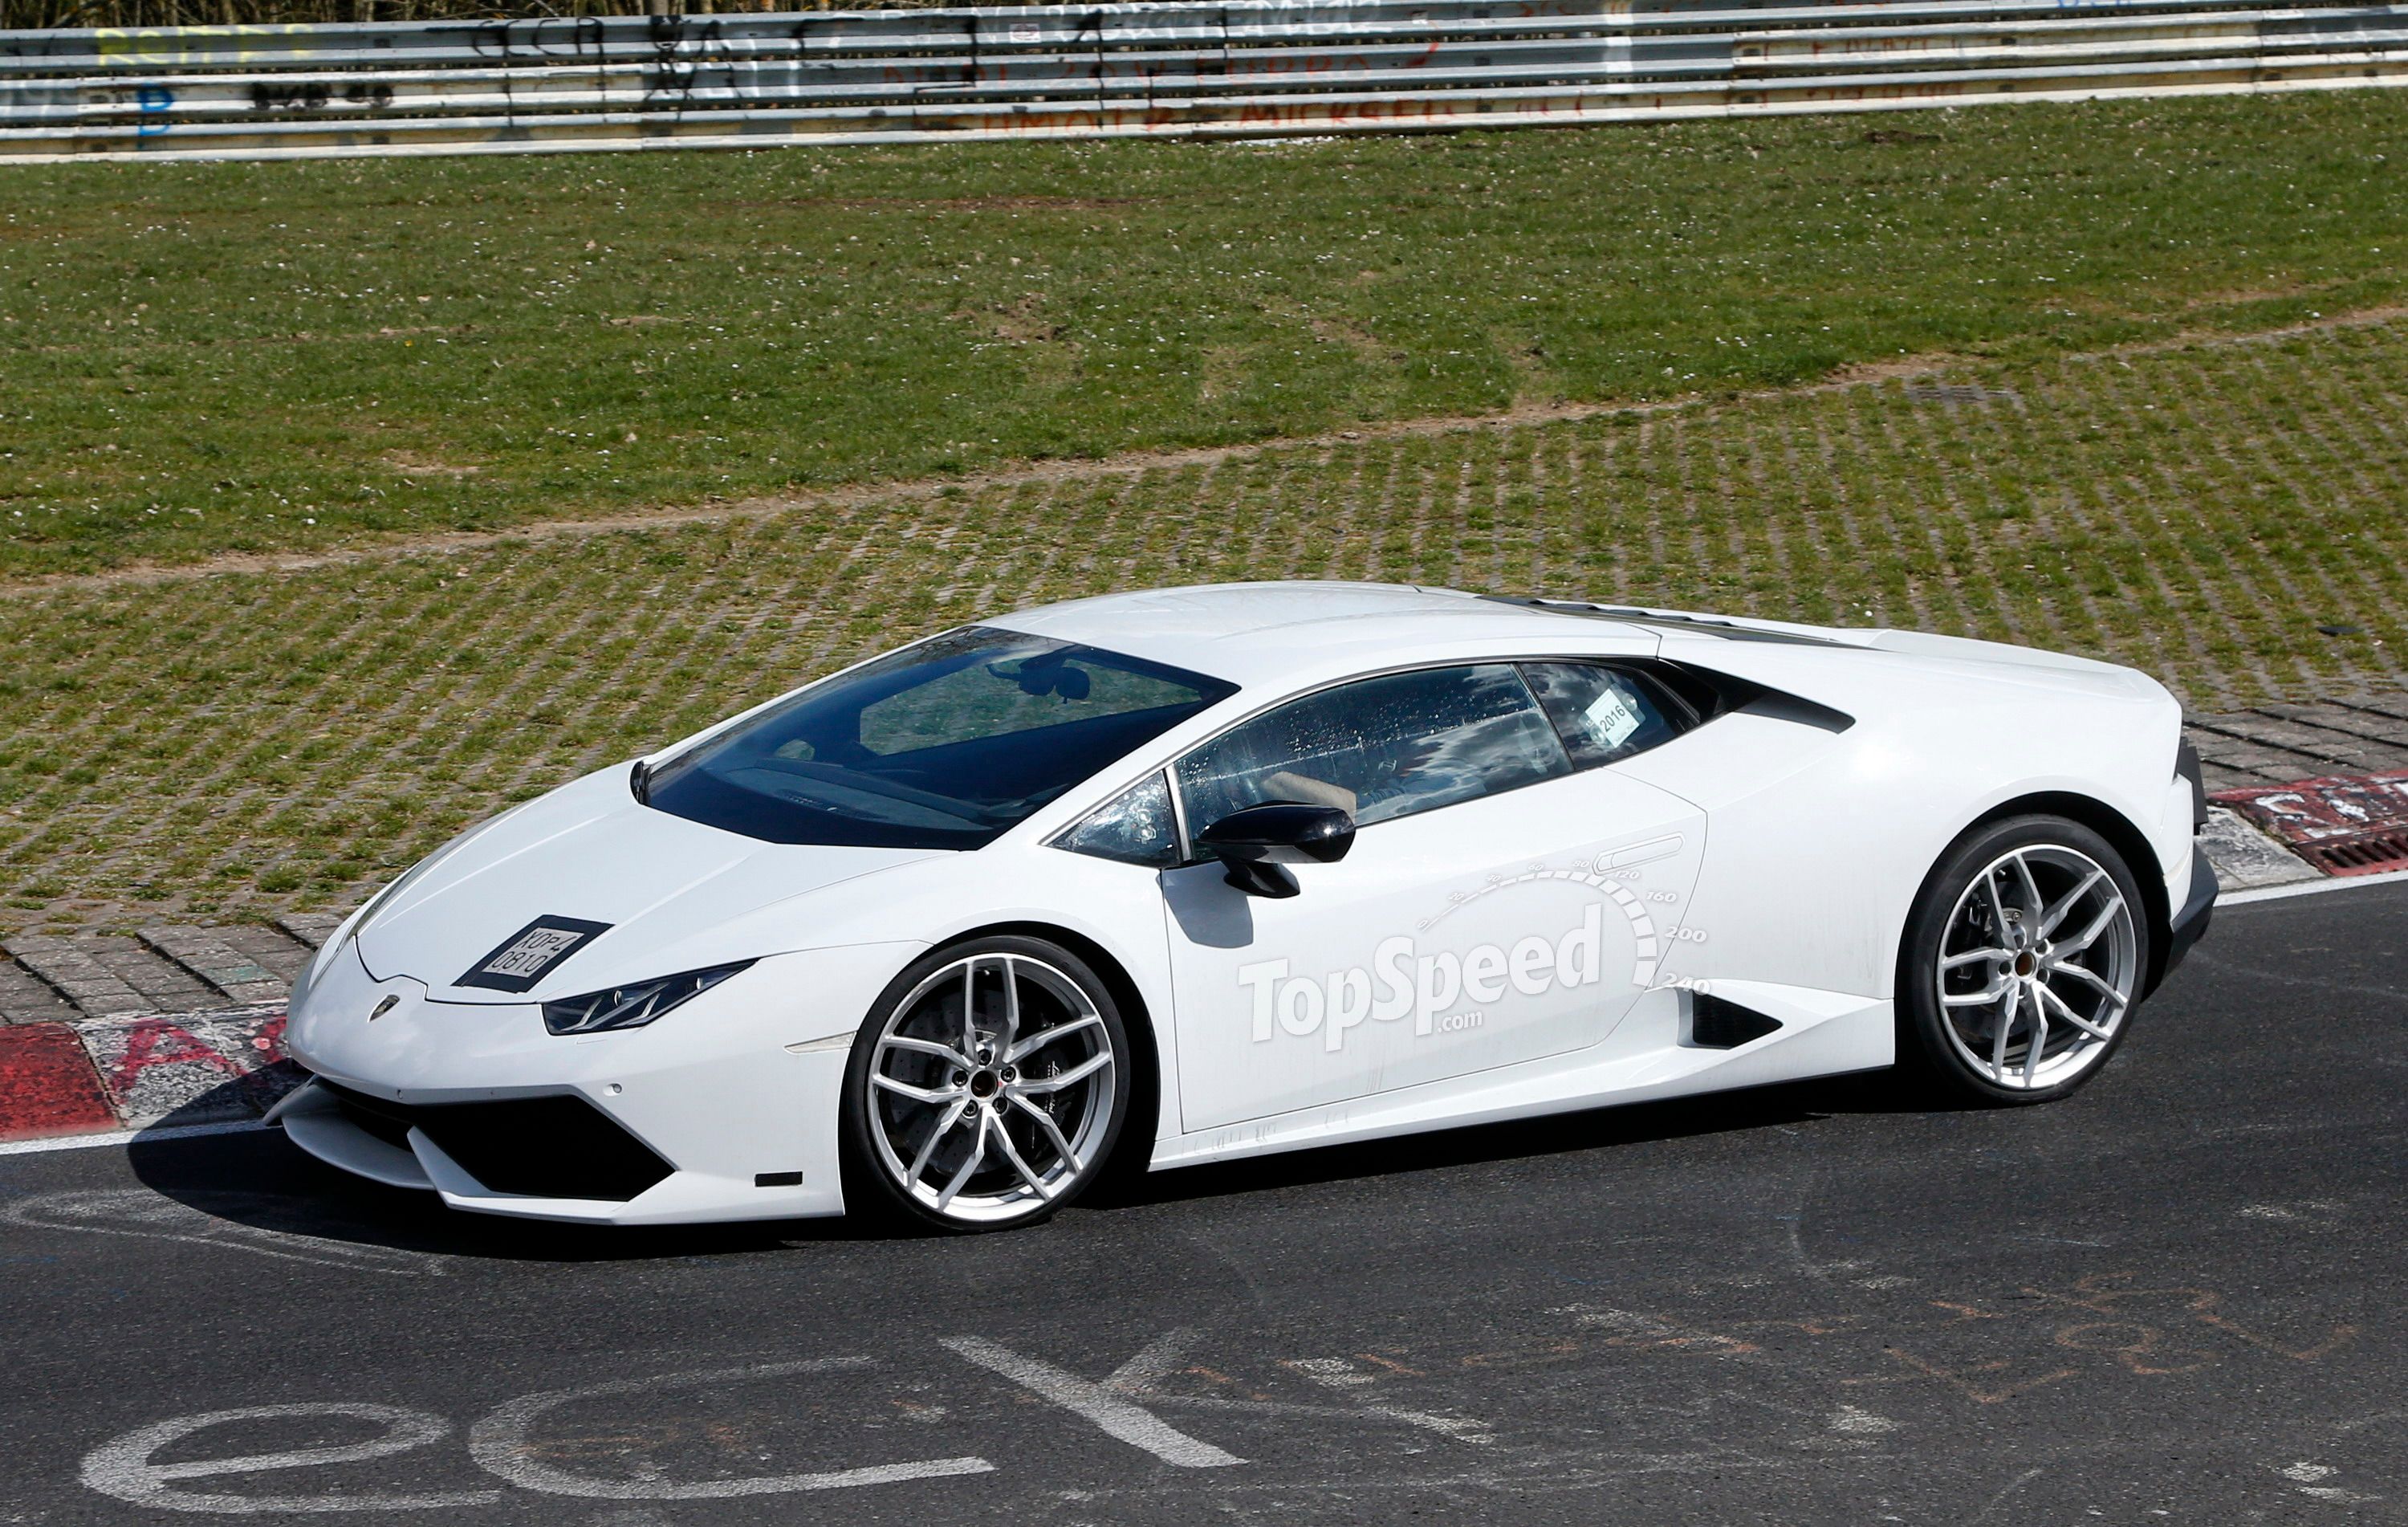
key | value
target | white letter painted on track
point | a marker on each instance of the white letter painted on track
(501, 1445)
(123, 1469)
(1260, 979)
(1110, 1413)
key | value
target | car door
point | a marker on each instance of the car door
(1508, 896)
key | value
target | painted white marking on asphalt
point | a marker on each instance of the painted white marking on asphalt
(2307, 1479)
(146, 1215)
(2312, 887)
(126, 1137)
(501, 1446)
(1338, 1373)
(1110, 1414)
(1155, 1362)
(122, 1468)
(1331, 1373)
(1141, 1375)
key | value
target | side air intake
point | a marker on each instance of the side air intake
(1716, 1024)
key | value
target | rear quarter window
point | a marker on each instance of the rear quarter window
(1605, 713)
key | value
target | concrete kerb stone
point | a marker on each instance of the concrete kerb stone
(69, 969)
(2245, 858)
(211, 958)
(191, 1068)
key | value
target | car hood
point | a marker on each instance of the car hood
(634, 893)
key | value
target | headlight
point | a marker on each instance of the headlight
(632, 1006)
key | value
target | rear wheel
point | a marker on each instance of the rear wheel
(987, 1088)
(2023, 962)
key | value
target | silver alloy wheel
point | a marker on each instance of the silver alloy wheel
(2038, 966)
(990, 1087)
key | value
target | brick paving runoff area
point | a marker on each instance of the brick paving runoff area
(49, 979)
(173, 1026)
(2273, 744)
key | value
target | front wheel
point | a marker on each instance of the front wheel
(987, 1088)
(2023, 961)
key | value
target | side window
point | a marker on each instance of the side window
(1381, 748)
(1134, 826)
(1604, 713)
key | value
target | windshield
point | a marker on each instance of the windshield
(943, 745)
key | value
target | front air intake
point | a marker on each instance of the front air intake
(560, 1146)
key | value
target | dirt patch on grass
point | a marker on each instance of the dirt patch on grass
(2363, 318)
(2252, 295)
(411, 464)
(1865, 373)
(1019, 322)
(1354, 337)
(958, 204)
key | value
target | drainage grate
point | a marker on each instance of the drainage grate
(2343, 825)
(2368, 854)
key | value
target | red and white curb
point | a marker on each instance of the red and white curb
(2344, 825)
(95, 1079)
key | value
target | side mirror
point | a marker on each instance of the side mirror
(1255, 843)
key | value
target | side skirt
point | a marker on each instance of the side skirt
(1648, 1058)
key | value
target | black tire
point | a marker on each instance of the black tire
(1058, 994)
(1953, 1053)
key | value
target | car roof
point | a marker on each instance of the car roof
(1254, 634)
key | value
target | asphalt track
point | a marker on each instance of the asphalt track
(2173, 1298)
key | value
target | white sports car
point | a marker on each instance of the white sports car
(1206, 872)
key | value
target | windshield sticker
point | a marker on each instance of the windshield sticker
(527, 956)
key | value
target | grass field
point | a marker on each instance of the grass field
(229, 745)
(201, 359)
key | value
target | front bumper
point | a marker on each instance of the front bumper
(2189, 924)
(724, 1109)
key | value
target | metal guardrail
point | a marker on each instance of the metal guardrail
(1246, 68)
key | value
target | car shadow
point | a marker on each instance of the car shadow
(256, 1188)
(1557, 1134)
(256, 1181)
